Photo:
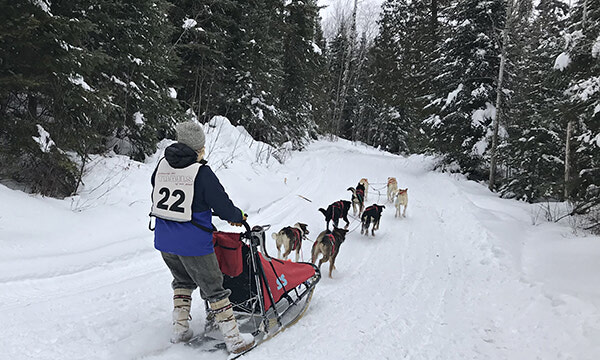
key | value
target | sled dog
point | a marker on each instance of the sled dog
(371, 214)
(358, 198)
(365, 183)
(335, 211)
(328, 244)
(392, 186)
(401, 200)
(290, 238)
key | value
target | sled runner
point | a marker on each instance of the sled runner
(268, 295)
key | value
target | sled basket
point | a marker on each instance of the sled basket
(267, 294)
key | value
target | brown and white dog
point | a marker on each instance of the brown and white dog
(392, 186)
(372, 214)
(365, 183)
(358, 198)
(290, 238)
(328, 244)
(401, 200)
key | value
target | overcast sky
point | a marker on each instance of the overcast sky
(336, 10)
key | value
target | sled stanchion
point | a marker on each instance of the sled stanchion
(268, 296)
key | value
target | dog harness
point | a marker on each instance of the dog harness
(332, 241)
(297, 238)
(360, 194)
(339, 205)
(371, 208)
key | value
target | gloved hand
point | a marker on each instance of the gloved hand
(244, 217)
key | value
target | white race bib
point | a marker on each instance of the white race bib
(173, 192)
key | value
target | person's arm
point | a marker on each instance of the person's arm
(153, 177)
(216, 197)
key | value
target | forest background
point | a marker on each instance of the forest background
(506, 92)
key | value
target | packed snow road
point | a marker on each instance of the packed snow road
(446, 282)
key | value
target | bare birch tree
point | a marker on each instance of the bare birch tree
(510, 7)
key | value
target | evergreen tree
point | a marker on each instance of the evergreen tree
(136, 73)
(298, 69)
(84, 73)
(319, 84)
(583, 74)
(535, 140)
(43, 95)
(203, 37)
(402, 73)
(468, 69)
(255, 60)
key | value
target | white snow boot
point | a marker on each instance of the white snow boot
(235, 341)
(182, 303)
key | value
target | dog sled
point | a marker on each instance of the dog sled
(268, 295)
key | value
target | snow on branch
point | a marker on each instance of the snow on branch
(44, 140)
(562, 61)
(78, 80)
(596, 48)
(43, 4)
(189, 23)
(584, 90)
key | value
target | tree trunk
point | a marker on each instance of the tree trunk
(434, 23)
(346, 72)
(496, 119)
(568, 158)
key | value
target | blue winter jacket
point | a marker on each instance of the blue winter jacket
(184, 238)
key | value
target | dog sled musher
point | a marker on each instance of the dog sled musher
(268, 295)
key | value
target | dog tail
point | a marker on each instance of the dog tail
(314, 252)
(274, 236)
(351, 189)
(323, 211)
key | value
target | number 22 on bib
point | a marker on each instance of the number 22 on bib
(173, 192)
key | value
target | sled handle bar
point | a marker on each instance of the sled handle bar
(257, 236)
(245, 223)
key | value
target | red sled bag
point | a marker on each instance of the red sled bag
(283, 276)
(228, 249)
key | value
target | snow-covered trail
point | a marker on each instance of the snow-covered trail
(442, 283)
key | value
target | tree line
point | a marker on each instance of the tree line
(504, 91)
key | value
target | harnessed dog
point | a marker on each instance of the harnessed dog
(358, 198)
(392, 186)
(365, 183)
(401, 200)
(328, 244)
(371, 214)
(290, 238)
(335, 211)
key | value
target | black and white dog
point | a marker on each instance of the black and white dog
(358, 198)
(290, 238)
(371, 214)
(335, 211)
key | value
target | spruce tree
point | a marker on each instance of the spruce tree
(254, 59)
(298, 69)
(86, 73)
(466, 84)
(202, 38)
(583, 51)
(43, 96)
(534, 139)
